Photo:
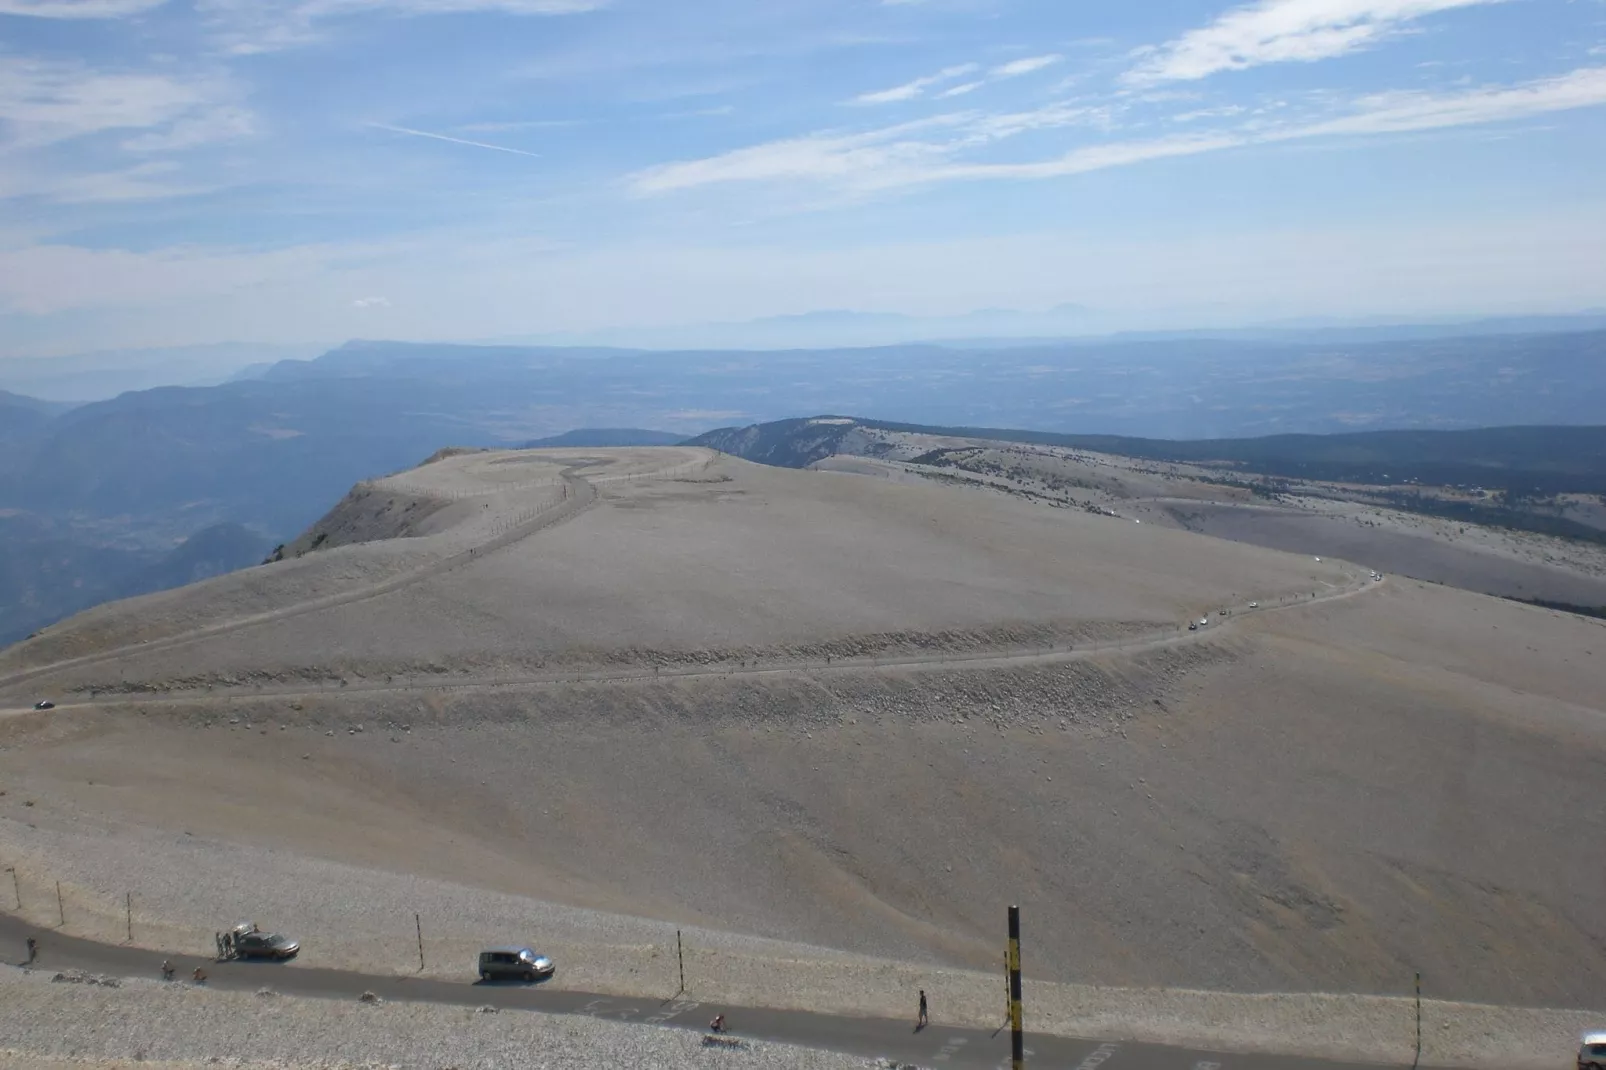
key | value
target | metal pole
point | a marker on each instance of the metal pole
(61, 910)
(1416, 1061)
(419, 925)
(680, 954)
(1017, 1039)
(128, 904)
(16, 886)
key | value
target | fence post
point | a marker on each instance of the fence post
(1016, 1030)
(680, 955)
(16, 885)
(1415, 1062)
(419, 925)
(60, 909)
(128, 904)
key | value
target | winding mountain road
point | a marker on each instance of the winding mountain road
(1037, 655)
(934, 1046)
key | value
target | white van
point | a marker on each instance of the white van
(1592, 1051)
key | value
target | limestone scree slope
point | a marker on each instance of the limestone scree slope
(832, 711)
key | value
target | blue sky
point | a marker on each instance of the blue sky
(178, 171)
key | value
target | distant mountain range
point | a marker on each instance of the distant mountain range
(96, 376)
(21, 416)
(1064, 324)
(147, 469)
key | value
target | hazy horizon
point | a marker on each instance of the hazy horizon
(299, 172)
(94, 375)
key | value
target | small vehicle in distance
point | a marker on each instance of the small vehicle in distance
(1254, 605)
(249, 942)
(44, 704)
(1193, 626)
(1592, 1051)
(514, 963)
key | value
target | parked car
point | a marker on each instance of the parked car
(249, 942)
(514, 963)
(1592, 1051)
(44, 704)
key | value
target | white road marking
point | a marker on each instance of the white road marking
(1099, 1057)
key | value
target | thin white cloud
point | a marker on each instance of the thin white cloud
(917, 87)
(371, 302)
(77, 9)
(1019, 67)
(248, 27)
(1092, 158)
(845, 159)
(454, 140)
(155, 180)
(45, 102)
(211, 127)
(1405, 112)
(876, 159)
(1283, 31)
(909, 155)
(1224, 112)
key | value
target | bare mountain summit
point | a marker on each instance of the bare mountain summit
(596, 691)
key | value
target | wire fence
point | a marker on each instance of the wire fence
(672, 971)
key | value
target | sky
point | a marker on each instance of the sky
(191, 171)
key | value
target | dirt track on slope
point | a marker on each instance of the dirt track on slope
(580, 495)
(191, 691)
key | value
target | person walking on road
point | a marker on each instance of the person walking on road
(921, 1024)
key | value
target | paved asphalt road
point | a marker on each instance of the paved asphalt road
(936, 1046)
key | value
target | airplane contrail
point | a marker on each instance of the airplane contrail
(453, 140)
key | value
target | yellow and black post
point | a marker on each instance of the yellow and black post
(1017, 1040)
